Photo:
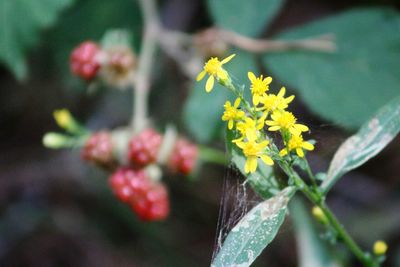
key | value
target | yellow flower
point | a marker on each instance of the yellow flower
(248, 125)
(272, 102)
(297, 143)
(380, 247)
(232, 113)
(63, 118)
(253, 150)
(287, 121)
(214, 69)
(258, 86)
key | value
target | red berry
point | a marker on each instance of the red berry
(154, 205)
(143, 148)
(148, 199)
(98, 149)
(184, 157)
(83, 60)
(129, 185)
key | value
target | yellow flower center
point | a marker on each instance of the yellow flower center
(251, 149)
(213, 66)
(295, 142)
(259, 86)
(286, 120)
(271, 102)
(230, 112)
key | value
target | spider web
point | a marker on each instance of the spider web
(236, 200)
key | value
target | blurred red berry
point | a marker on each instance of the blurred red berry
(183, 157)
(154, 205)
(129, 185)
(143, 148)
(83, 60)
(148, 199)
(98, 149)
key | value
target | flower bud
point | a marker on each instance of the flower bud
(380, 247)
(319, 215)
(56, 140)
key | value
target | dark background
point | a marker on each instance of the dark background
(57, 211)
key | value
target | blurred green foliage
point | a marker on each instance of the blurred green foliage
(21, 21)
(248, 18)
(351, 84)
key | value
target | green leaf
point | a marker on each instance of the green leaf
(249, 237)
(245, 17)
(349, 85)
(203, 111)
(21, 21)
(262, 180)
(366, 143)
(311, 249)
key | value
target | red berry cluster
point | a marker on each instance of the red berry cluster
(84, 60)
(143, 148)
(184, 156)
(148, 199)
(98, 149)
(132, 184)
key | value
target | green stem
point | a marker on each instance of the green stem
(310, 174)
(317, 200)
(346, 238)
(212, 155)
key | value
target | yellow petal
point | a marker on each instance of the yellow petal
(251, 76)
(201, 75)
(256, 99)
(283, 152)
(293, 130)
(300, 152)
(282, 92)
(289, 99)
(267, 160)
(230, 124)
(222, 74)
(240, 144)
(268, 80)
(252, 164)
(251, 134)
(301, 127)
(274, 128)
(226, 60)
(270, 123)
(307, 146)
(237, 102)
(210, 84)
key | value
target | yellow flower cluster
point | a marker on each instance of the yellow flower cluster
(248, 120)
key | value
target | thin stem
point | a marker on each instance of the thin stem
(141, 84)
(212, 155)
(316, 199)
(346, 238)
(310, 174)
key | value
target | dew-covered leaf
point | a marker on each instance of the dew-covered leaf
(349, 85)
(311, 249)
(21, 21)
(366, 143)
(203, 111)
(245, 17)
(249, 237)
